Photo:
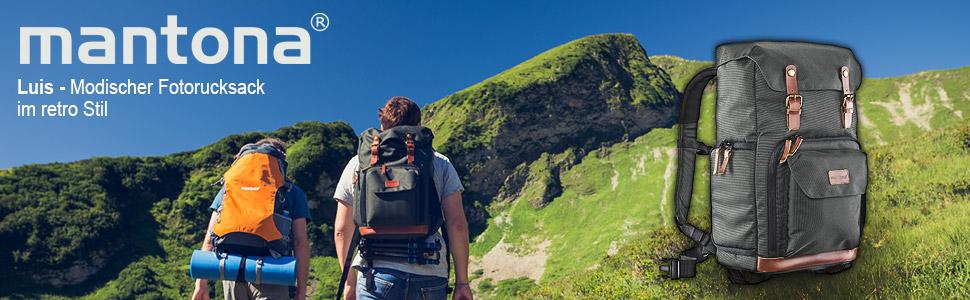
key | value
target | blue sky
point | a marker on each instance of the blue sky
(422, 49)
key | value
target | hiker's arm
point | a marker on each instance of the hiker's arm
(202, 285)
(457, 235)
(207, 242)
(301, 247)
(343, 232)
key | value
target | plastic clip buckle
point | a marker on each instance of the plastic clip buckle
(684, 267)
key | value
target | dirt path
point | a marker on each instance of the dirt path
(615, 180)
(501, 263)
(946, 102)
(668, 182)
(871, 128)
(905, 111)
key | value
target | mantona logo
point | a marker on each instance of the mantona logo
(104, 49)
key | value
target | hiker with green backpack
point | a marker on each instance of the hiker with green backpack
(400, 205)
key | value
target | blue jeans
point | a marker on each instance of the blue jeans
(394, 284)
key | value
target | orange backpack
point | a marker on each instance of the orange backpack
(253, 219)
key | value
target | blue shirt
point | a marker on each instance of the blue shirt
(295, 199)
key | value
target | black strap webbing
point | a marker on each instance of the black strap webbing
(348, 261)
(687, 149)
(444, 236)
(241, 275)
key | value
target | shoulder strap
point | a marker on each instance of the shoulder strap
(687, 149)
(348, 261)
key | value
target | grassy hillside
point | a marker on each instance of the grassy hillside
(913, 246)
(590, 92)
(901, 107)
(121, 228)
(569, 163)
(915, 192)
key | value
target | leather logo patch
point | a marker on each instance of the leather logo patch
(838, 177)
(391, 183)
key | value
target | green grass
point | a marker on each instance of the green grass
(919, 187)
(583, 223)
(609, 73)
(680, 70)
(511, 288)
(914, 243)
(479, 105)
(143, 216)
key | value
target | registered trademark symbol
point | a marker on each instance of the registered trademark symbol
(319, 21)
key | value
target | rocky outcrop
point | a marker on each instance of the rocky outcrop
(586, 94)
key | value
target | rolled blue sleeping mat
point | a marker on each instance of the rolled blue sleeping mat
(258, 269)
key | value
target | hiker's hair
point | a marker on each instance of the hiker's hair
(275, 142)
(399, 111)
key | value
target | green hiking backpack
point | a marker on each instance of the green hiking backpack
(396, 205)
(395, 196)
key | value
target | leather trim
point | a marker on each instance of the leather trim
(409, 142)
(397, 230)
(793, 103)
(848, 102)
(844, 74)
(373, 150)
(715, 160)
(848, 108)
(784, 264)
(727, 159)
(791, 79)
(794, 111)
(837, 177)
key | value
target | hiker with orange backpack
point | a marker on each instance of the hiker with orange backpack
(399, 202)
(258, 214)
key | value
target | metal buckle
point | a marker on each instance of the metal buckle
(848, 108)
(848, 102)
(791, 99)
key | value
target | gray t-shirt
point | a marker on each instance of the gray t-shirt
(446, 181)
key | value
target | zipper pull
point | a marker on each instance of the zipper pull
(714, 159)
(727, 158)
(791, 146)
(798, 142)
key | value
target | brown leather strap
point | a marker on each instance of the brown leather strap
(784, 152)
(844, 73)
(791, 146)
(395, 230)
(783, 264)
(848, 101)
(409, 141)
(793, 102)
(791, 79)
(726, 160)
(259, 270)
(715, 155)
(373, 150)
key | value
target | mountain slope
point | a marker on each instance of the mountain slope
(910, 105)
(913, 243)
(918, 192)
(584, 94)
(568, 161)
(125, 227)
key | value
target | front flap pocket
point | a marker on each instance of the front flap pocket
(393, 197)
(391, 179)
(830, 173)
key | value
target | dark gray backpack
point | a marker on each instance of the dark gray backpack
(396, 204)
(788, 176)
(395, 196)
